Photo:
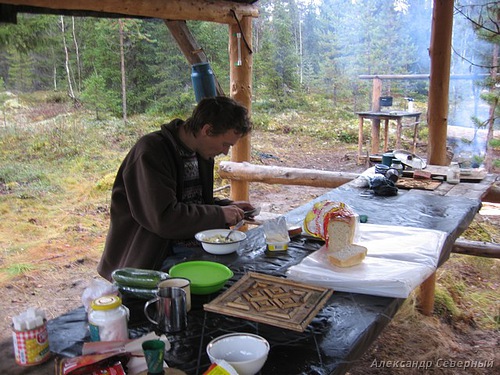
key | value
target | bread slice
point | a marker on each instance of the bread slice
(349, 256)
(341, 233)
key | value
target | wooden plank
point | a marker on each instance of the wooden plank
(473, 190)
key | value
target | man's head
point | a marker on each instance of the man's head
(215, 125)
(222, 113)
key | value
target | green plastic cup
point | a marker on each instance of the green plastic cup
(154, 352)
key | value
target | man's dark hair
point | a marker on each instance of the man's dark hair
(222, 113)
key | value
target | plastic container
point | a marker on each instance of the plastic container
(385, 101)
(203, 79)
(387, 158)
(277, 246)
(108, 319)
(276, 234)
(206, 277)
(453, 173)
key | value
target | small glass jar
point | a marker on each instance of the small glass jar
(453, 173)
(108, 319)
(396, 164)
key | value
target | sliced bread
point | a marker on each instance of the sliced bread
(349, 256)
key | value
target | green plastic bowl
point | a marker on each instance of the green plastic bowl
(206, 277)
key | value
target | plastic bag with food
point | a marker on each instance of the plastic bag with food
(97, 288)
(276, 233)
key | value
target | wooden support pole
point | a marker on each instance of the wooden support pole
(440, 54)
(360, 139)
(426, 300)
(189, 46)
(241, 63)
(375, 131)
(283, 175)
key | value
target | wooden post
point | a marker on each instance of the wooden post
(440, 54)
(376, 94)
(240, 59)
(360, 139)
(375, 131)
(427, 289)
(437, 116)
(399, 131)
(386, 135)
(189, 46)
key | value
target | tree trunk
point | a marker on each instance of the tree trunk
(488, 162)
(66, 65)
(77, 53)
(122, 67)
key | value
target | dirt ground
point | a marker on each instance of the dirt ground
(409, 337)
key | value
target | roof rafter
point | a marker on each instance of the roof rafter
(219, 11)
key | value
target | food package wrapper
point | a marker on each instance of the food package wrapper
(137, 363)
(97, 288)
(398, 260)
(276, 230)
(316, 220)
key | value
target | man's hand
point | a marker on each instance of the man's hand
(244, 205)
(233, 214)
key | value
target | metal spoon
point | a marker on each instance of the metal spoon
(236, 227)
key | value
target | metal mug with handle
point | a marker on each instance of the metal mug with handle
(178, 282)
(171, 310)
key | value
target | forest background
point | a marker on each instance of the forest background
(304, 52)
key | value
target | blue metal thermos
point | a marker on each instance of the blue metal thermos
(203, 80)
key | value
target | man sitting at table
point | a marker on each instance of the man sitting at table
(163, 192)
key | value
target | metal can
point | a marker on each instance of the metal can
(108, 319)
(30, 338)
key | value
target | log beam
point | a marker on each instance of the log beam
(283, 175)
(198, 10)
(477, 248)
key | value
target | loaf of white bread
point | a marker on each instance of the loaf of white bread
(337, 224)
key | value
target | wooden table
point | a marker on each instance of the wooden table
(376, 117)
(342, 330)
(473, 186)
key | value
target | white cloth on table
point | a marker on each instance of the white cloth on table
(398, 260)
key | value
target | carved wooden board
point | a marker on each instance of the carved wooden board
(271, 300)
(410, 183)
